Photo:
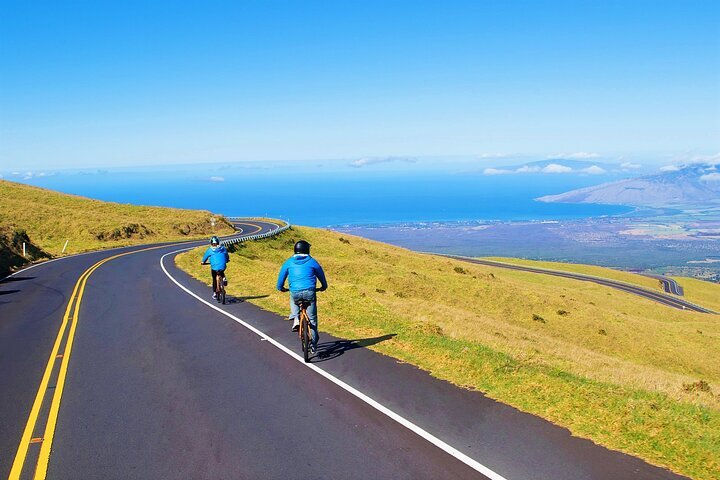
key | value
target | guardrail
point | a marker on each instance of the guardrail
(258, 236)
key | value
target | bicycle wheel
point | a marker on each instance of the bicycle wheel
(305, 337)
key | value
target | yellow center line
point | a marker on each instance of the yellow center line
(47, 438)
(259, 228)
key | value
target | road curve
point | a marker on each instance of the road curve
(669, 285)
(161, 385)
(625, 287)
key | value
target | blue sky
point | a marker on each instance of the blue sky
(102, 84)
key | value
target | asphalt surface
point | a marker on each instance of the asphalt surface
(669, 285)
(161, 385)
(674, 302)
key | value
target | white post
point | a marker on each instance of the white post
(24, 250)
(66, 242)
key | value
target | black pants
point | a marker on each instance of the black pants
(214, 274)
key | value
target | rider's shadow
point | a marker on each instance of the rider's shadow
(330, 350)
(242, 299)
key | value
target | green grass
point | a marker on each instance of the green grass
(621, 370)
(51, 218)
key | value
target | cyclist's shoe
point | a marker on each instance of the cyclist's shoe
(225, 281)
(312, 350)
(296, 325)
(214, 295)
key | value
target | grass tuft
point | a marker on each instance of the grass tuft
(699, 386)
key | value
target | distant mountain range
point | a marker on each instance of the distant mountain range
(693, 184)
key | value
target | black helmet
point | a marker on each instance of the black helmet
(302, 247)
(214, 240)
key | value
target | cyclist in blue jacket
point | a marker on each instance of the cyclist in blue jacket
(303, 272)
(219, 257)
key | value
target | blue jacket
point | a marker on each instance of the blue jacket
(218, 257)
(303, 272)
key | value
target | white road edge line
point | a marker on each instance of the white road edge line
(475, 465)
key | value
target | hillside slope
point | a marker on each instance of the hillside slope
(621, 370)
(48, 219)
(11, 250)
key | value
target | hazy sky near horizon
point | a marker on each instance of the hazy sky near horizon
(103, 84)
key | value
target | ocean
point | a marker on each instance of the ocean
(314, 195)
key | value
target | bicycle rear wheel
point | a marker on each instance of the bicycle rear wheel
(305, 337)
(222, 293)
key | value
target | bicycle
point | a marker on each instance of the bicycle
(219, 285)
(304, 329)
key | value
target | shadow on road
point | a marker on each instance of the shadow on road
(8, 292)
(15, 279)
(330, 350)
(242, 299)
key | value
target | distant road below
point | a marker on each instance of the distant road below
(625, 287)
(669, 285)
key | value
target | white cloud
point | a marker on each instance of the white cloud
(217, 179)
(630, 166)
(576, 156)
(494, 155)
(496, 171)
(710, 177)
(15, 174)
(528, 169)
(712, 159)
(594, 170)
(555, 168)
(365, 161)
(669, 168)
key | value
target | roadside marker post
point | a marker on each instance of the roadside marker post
(24, 255)
(66, 242)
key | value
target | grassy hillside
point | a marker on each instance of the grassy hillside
(624, 371)
(11, 250)
(49, 218)
(592, 270)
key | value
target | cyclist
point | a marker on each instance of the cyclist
(218, 256)
(303, 272)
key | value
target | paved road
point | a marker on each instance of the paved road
(160, 385)
(625, 287)
(669, 285)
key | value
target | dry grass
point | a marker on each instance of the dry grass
(701, 292)
(616, 368)
(50, 218)
(610, 273)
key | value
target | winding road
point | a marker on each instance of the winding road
(674, 302)
(115, 365)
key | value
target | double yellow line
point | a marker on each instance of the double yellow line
(70, 318)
